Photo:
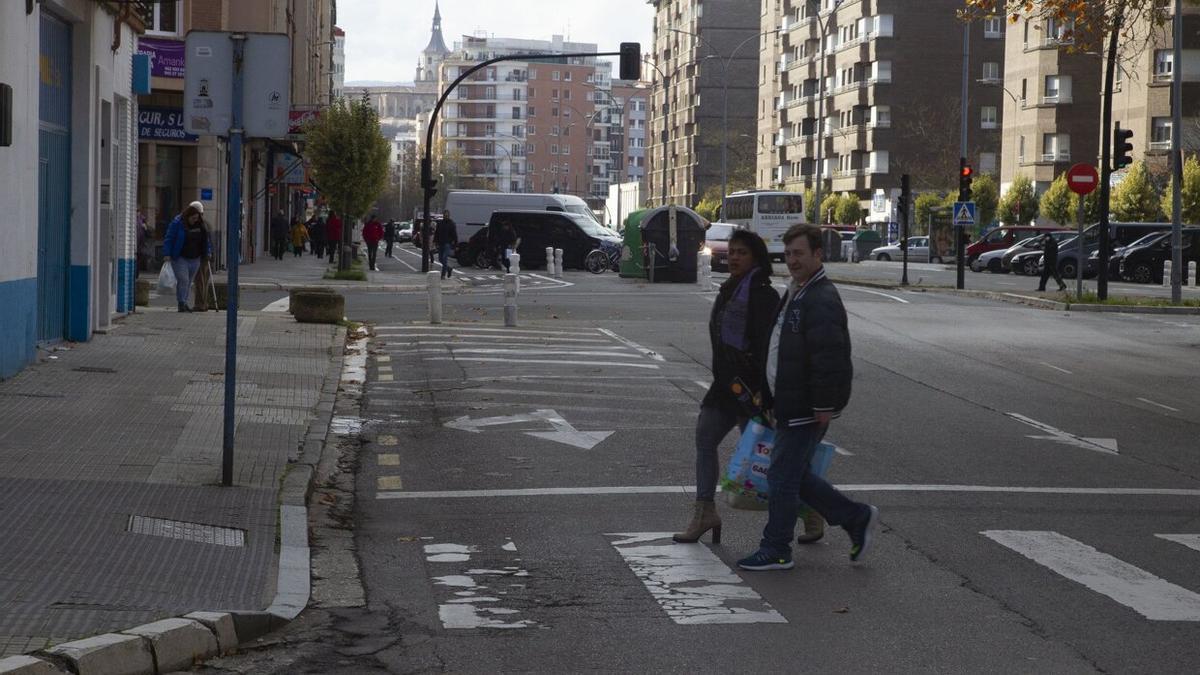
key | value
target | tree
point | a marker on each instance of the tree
(849, 211)
(449, 168)
(1019, 205)
(810, 207)
(1134, 199)
(829, 207)
(986, 195)
(709, 205)
(925, 203)
(349, 160)
(1190, 193)
(1056, 203)
(1091, 19)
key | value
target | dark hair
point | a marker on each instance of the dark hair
(810, 232)
(758, 249)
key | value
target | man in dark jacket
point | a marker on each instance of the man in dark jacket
(808, 374)
(389, 237)
(316, 236)
(279, 234)
(445, 237)
(1050, 263)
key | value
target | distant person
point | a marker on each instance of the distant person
(389, 237)
(316, 236)
(186, 244)
(372, 233)
(506, 242)
(445, 237)
(333, 235)
(279, 234)
(299, 236)
(1050, 264)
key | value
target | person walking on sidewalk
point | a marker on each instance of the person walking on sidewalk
(279, 234)
(389, 236)
(316, 236)
(333, 235)
(445, 237)
(739, 330)
(186, 243)
(299, 236)
(808, 373)
(1050, 263)
(372, 233)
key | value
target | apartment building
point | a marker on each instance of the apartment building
(893, 77)
(630, 101)
(702, 52)
(1051, 103)
(529, 126)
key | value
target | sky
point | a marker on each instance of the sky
(384, 37)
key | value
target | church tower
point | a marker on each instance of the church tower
(434, 53)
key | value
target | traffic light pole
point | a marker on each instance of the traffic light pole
(905, 206)
(1106, 157)
(630, 51)
(964, 195)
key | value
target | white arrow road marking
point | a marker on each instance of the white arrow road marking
(280, 305)
(649, 353)
(1105, 445)
(689, 581)
(1191, 541)
(563, 431)
(1146, 594)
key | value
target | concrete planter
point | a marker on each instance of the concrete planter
(310, 305)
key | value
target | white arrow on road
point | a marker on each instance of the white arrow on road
(563, 431)
(1105, 445)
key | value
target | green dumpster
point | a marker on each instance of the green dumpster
(631, 250)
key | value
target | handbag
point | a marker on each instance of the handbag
(745, 482)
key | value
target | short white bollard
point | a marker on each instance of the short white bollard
(510, 300)
(434, 279)
(558, 262)
(704, 271)
(550, 260)
(1192, 273)
(514, 266)
(1166, 273)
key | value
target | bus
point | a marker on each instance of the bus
(769, 213)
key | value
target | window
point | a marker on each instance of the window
(1056, 147)
(516, 94)
(567, 76)
(881, 71)
(1024, 90)
(882, 116)
(532, 92)
(531, 130)
(987, 117)
(987, 162)
(991, 71)
(1160, 133)
(529, 148)
(566, 112)
(555, 76)
(1021, 149)
(1058, 89)
(516, 112)
(567, 92)
(1059, 32)
(1025, 38)
(554, 111)
(1164, 65)
(554, 149)
(554, 130)
(993, 27)
(162, 18)
(530, 112)
(566, 149)
(553, 94)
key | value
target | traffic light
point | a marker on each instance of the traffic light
(902, 204)
(965, 174)
(1122, 147)
(631, 61)
(428, 182)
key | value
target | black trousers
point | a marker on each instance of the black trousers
(332, 248)
(1048, 270)
(387, 252)
(372, 249)
(278, 246)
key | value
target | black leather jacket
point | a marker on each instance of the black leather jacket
(728, 362)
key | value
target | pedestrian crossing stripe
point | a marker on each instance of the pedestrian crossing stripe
(484, 594)
(1152, 597)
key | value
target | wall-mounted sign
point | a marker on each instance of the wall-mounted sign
(166, 56)
(297, 118)
(162, 124)
(208, 84)
(288, 168)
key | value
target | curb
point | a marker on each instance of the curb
(178, 643)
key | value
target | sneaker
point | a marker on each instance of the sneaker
(862, 533)
(762, 560)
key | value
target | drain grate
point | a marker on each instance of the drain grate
(178, 529)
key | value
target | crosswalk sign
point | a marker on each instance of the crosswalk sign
(964, 214)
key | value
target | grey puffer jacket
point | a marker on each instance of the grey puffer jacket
(814, 369)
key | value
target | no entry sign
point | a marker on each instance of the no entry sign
(1082, 178)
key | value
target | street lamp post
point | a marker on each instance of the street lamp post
(725, 63)
(821, 27)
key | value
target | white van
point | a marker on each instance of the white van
(471, 209)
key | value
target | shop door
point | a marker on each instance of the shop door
(54, 177)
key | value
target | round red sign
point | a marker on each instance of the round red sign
(1082, 178)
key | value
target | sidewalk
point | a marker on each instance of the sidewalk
(266, 273)
(110, 452)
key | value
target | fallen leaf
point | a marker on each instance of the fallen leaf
(842, 610)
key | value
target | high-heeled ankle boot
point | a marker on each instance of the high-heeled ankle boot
(814, 526)
(704, 518)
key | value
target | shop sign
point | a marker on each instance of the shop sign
(166, 56)
(162, 124)
(297, 118)
(289, 168)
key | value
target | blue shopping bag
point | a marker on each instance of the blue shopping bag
(745, 481)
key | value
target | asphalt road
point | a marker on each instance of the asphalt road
(1036, 472)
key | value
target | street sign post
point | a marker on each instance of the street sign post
(963, 217)
(1083, 179)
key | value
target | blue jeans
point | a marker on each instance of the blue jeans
(790, 479)
(185, 271)
(444, 252)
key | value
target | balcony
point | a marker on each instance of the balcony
(1056, 100)
(1056, 156)
(1160, 146)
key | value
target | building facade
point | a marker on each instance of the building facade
(702, 52)
(1052, 103)
(338, 86)
(67, 221)
(632, 102)
(891, 97)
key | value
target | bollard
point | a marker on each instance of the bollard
(514, 266)
(558, 263)
(704, 278)
(550, 260)
(510, 300)
(651, 262)
(1192, 273)
(435, 296)
(1166, 274)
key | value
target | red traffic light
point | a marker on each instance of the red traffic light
(967, 171)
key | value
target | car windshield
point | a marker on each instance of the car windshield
(583, 211)
(591, 227)
(720, 231)
(1032, 241)
(1149, 239)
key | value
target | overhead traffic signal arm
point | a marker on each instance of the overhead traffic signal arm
(1122, 147)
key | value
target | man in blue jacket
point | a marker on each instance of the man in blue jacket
(808, 376)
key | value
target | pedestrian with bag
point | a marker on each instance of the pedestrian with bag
(1050, 263)
(372, 233)
(739, 329)
(808, 376)
(186, 244)
(445, 237)
(279, 231)
(389, 237)
(299, 236)
(333, 235)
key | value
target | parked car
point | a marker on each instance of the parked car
(1118, 254)
(1004, 237)
(576, 234)
(1000, 260)
(918, 251)
(404, 231)
(1144, 263)
(716, 240)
